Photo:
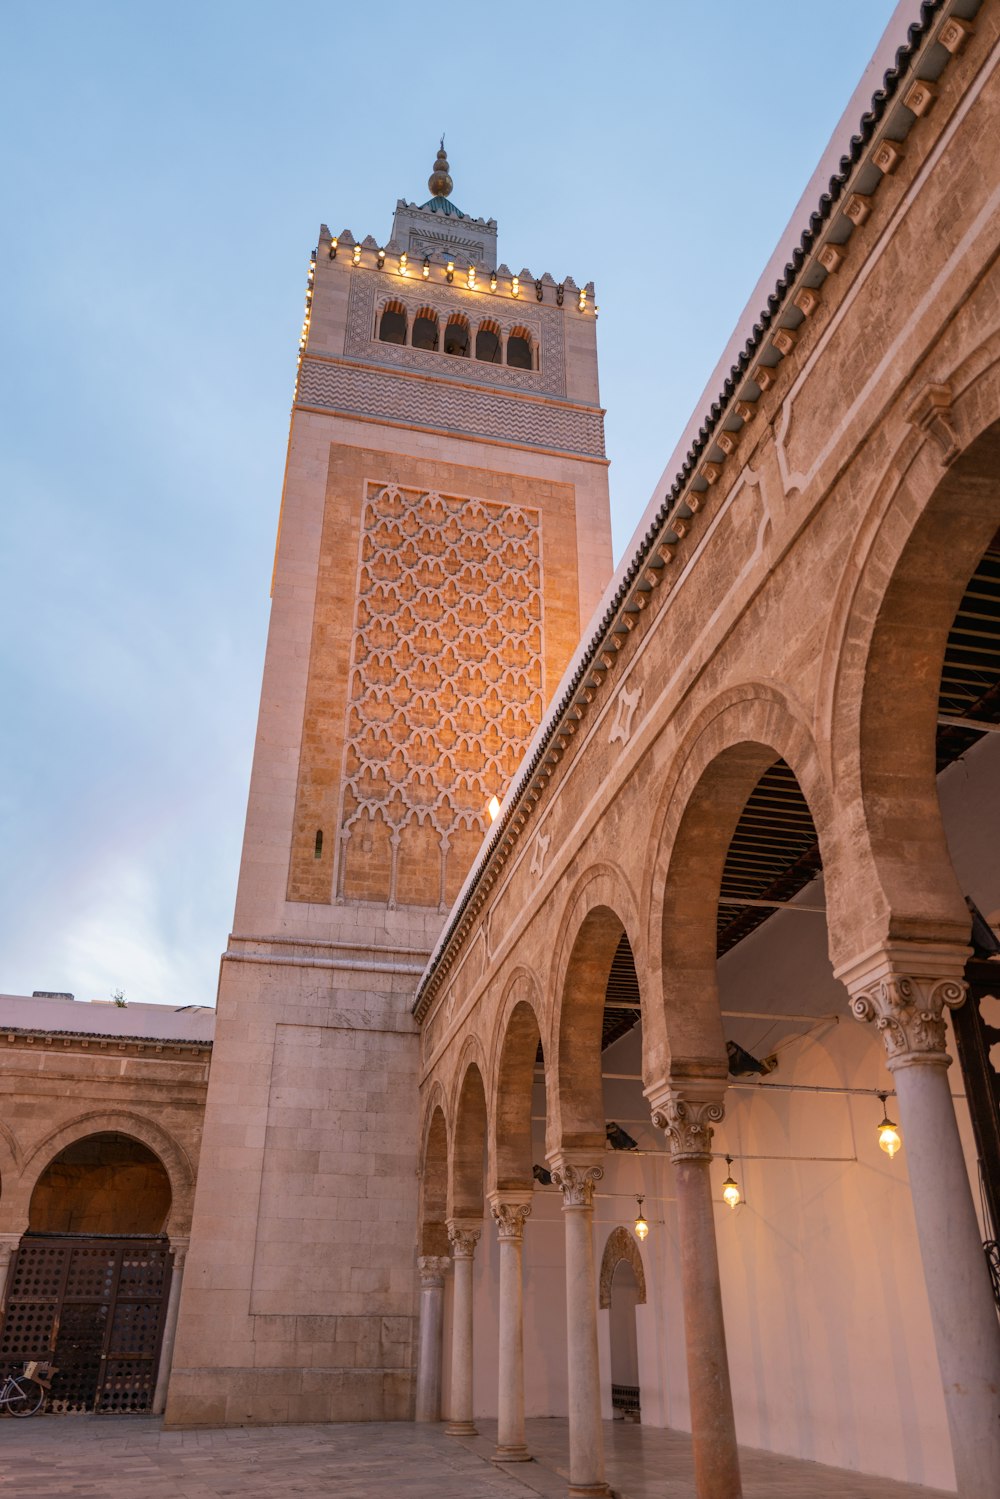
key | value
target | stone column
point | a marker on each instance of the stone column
(586, 1435)
(180, 1249)
(904, 988)
(8, 1248)
(510, 1213)
(688, 1124)
(464, 1236)
(433, 1268)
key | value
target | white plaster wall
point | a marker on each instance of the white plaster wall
(830, 1344)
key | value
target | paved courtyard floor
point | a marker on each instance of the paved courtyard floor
(132, 1457)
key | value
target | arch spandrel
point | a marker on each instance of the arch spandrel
(931, 533)
(601, 907)
(723, 756)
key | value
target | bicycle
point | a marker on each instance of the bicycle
(25, 1394)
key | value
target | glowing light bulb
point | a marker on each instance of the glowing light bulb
(493, 807)
(641, 1226)
(889, 1137)
(730, 1191)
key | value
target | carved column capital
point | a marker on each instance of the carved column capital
(179, 1245)
(433, 1268)
(576, 1183)
(510, 1219)
(904, 990)
(909, 1012)
(687, 1123)
(463, 1238)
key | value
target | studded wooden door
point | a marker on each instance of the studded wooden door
(93, 1308)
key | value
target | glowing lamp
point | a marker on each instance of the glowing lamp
(641, 1226)
(357, 254)
(493, 281)
(730, 1191)
(889, 1137)
(493, 807)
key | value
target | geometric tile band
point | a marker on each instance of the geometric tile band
(446, 681)
(485, 413)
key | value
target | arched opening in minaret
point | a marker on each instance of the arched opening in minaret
(456, 338)
(392, 324)
(488, 346)
(519, 353)
(425, 331)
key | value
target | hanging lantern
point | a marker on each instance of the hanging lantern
(730, 1191)
(641, 1226)
(889, 1137)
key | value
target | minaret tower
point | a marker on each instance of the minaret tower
(444, 536)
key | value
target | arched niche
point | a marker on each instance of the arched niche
(621, 1246)
(104, 1183)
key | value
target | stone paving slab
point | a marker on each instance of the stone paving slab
(132, 1457)
(647, 1462)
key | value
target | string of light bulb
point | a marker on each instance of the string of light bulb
(471, 274)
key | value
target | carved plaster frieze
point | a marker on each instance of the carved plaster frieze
(687, 1123)
(433, 1268)
(628, 702)
(463, 1239)
(909, 1013)
(542, 841)
(545, 325)
(510, 1219)
(576, 1183)
(930, 413)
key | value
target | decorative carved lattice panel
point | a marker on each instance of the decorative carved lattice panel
(94, 1309)
(446, 687)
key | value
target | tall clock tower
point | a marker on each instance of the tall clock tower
(444, 536)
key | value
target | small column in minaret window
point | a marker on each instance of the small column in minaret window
(464, 1236)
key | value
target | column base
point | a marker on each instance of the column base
(588, 1491)
(461, 1429)
(512, 1455)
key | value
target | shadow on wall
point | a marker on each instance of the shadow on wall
(104, 1184)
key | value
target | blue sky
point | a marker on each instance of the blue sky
(165, 174)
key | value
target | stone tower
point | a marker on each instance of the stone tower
(444, 536)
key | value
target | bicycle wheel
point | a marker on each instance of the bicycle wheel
(25, 1397)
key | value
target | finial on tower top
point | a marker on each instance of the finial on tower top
(439, 181)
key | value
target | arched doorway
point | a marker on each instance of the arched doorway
(625, 1395)
(622, 1289)
(88, 1285)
